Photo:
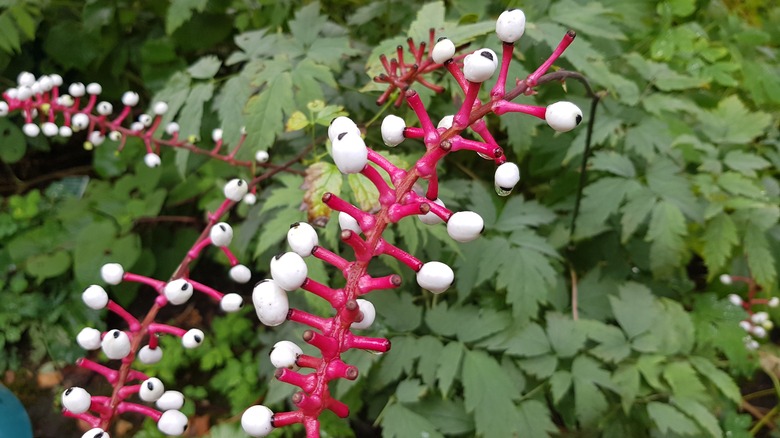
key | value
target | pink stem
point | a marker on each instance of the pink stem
(368, 283)
(139, 409)
(335, 297)
(135, 278)
(196, 249)
(386, 194)
(381, 345)
(499, 89)
(396, 212)
(533, 78)
(396, 174)
(502, 107)
(85, 417)
(132, 322)
(110, 375)
(231, 258)
(127, 391)
(281, 419)
(433, 188)
(330, 258)
(362, 252)
(459, 143)
(165, 328)
(365, 220)
(308, 319)
(306, 383)
(461, 119)
(431, 134)
(402, 256)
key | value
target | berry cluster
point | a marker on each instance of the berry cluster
(362, 231)
(757, 324)
(126, 345)
(49, 111)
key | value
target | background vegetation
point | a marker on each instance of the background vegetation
(681, 186)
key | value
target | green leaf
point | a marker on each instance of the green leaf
(566, 336)
(527, 277)
(364, 194)
(488, 394)
(398, 421)
(760, 259)
(666, 232)
(529, 341)
(683, 380)
(307, 23)
(449, 365)
(449, 416)
(745, 163)
(535, 420)
(205, 67)
(732, 122)
(321, 177)
(720, 236)
(230, 104)
(430, 15)
(668, 419)
(700, 413)
(429, 362)
(518, 213)
(14, 144)
(626, 378)
(398, 311)
(265, 116)
(191, 114)
(720, 379)
(43, 266)
(635, 309)
(600, 200)
(540, 367)
(589, 402)
(180, 11)
(590, 19)
(560, 382)
(613, 346)
(614, 163)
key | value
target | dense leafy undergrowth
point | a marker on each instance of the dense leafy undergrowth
(593, 315)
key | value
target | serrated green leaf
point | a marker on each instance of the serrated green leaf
(48, 265)
(488, 394)
(566, 336)
(393, 366)
(429, 362)
(410, 390)
(400, 422)
(700, 413)
(560, 382)
(540, 367)
(600, 200)
(613, 346)
(191, 114)
(518, 212)
(668, 419)
(399, 311)
(745, 163)
(449, 416)
(683, 380)
(732, 122)
(589, 402)
(720, 236)
(591, 19)
(527, 277)
(760, 258)
(230, 104)
(666, 232)
(265, 115)
(180, 11)
(430, 15)
(449, 365)
(307, 23)
(614, 163)
(535, 420)
(720, 379)
(667, 180)
(14, 144)
(626, 378)
(205, 67)
(635, 309)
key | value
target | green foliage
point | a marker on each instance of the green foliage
(680, 186)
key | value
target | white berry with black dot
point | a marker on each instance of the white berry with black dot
(240, 274)
(510, 25)
(480, 65)
(257, 421)
(193, 338)
(95, 433)
(393, 130)
(271, 303)
(465, 226)
(76, 400)
(284, 354)
(302, 238)
(443, 50)
(342, 124)
(436, 277)
(231, 302)
(116, 344)
(221, 234)
(170, 400)
(178, 291)
(289, 270)
(151, 389)
(563, 116)
(172, 423)
(349, 152)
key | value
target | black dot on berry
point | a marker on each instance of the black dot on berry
(240, 183)
(116, 334)
(340, 136)
(98, 435)
(279, 256)
(197, 338)
(578, 119)
(441, 39)
(150, 385)
(487, 55)
(222, 227)
(68, 391)
(295, 225)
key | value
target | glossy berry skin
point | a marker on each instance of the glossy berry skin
(393, 130)
(89, 338)
(231, 302)
(151, 389)
(95, 297)
(178, 291)
(284, 354)
(240, 274)
(435, 277)
(563, 116)
(116, 344)
(347, 222)
(368, 311)
(262, 156)
(446, 122)
(430, 218)
(221, 234)
(342, 124)
(271, 303)
(506, 177)
(150, 355)
(349, 152)
(443, 50)
(152, 160)
(235, 189)
(76, 400)
(302, 238)
(130, 98)
(510, 25)
(31, 129)
(465, 226)
(170, 400)
(289, 270)
(257, 421)
(193, 338)
(95, 433)
(172, 423)
(480, 65)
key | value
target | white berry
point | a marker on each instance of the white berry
(563, 116)
(56, 80)
(95, 433)
(735, 299)
(193, 338)
(445, 122)
(347, 222)
(95, 297)
(115, 135)
(94, 88)
(369, 314)
(231, 302)
(284, 354)
(172, 128)
(465, 226)
(726, 279)
(151, 389)
(145, 120)
(172, 422)
(96, 138)
(221, 234)
(112, 273)
(349, 152)
(435, 277)
(104, 108)
(480, 65)
(65, 131)
(31, 129)
(152, 160)
(443, 50)
(170, 400)
(149, 355)
(116, 344)
(49, 129)
(76, 400)
(506, 177)
(302, 238)
(3, 109)
(80, 121)
(240, 274)
(216, 135)
(342, 124)
(89, 338)
(271, 303)
(249, 199)
(25, 78)
(178, 291)
(235, 189)
(774, 302)
(510, 25)
(288, 270)
(160, 108)
(130, 98)
(257, 421)
(393, 130)
(262, 156)
(76, 89)
(430, 218)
